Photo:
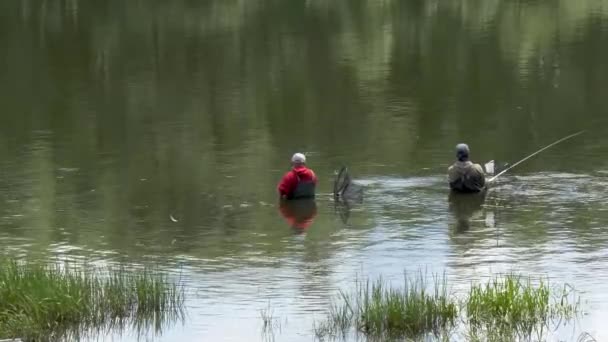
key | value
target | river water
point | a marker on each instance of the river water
(154, 133)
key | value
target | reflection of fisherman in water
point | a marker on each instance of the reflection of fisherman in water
(463, 207)
(300, 214)
(465, 176)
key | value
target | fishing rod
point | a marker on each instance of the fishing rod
(533, 154)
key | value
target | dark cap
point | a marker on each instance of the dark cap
(462, 152)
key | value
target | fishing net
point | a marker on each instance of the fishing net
(341, 181)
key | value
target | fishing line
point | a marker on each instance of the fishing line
(533, 154)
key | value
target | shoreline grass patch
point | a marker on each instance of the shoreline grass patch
(376, 309)
(514, 303)
(52, 301)
(508, 307)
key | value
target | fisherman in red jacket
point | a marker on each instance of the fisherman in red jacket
(300, 182)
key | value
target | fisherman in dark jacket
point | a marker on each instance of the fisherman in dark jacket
(464, 175)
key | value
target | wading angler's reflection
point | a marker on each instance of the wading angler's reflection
(471, 211)
(299, 214)
(463, 207)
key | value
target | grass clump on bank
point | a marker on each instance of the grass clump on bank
(376, 309)
(47, 300)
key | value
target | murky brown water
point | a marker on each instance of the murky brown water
(118, 114)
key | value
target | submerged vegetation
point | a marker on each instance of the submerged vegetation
(53, 301)
(507, 305)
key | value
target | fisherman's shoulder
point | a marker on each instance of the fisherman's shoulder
(303, 170)
(477, 168)
(311, 173)
(289, 174)
(460, 165)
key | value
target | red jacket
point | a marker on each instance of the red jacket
(290, 180)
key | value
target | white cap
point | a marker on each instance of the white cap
(298, 158)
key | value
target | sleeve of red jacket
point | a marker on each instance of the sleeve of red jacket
(287, 184)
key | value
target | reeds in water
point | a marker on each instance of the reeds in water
(505, 308)
(514, 303)
(376, 309)
(48, 300)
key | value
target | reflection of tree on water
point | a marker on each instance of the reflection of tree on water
(300, 214)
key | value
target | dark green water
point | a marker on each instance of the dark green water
(118, 114)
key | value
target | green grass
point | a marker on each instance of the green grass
(514, 303)
(507, 307)
(376, 309)
(50, 301)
